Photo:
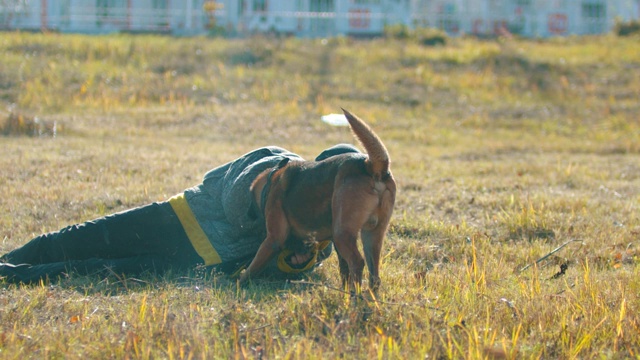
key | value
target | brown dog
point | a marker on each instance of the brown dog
(336, 198)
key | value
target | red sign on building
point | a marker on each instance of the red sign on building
(359, 18)
(558, 23)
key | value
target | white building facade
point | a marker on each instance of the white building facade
(105, 16)
(319, 18)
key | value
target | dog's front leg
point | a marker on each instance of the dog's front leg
(277, 233)
(266, 252)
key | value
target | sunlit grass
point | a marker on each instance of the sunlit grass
(504, 150)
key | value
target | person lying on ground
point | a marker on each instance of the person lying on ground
(216, 224)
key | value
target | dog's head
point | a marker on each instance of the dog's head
(261, 185)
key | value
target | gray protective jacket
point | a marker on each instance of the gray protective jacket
(220, 215)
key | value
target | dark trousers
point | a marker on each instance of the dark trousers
(147, 238)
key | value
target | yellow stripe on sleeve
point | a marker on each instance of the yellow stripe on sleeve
(196, 235)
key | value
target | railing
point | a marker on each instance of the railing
(358, 19)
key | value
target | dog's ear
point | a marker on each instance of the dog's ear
(282, 163)
(267, 173)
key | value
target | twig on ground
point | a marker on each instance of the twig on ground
(549, 254)
(140, 281)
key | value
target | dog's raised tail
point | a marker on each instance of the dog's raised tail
(378, 155)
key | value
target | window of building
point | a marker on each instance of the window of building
(319, 25)
(159, 4)
(523, 2)
(495, 4)
(594, 15)
(260, 5)
(160, 14)
(110, 11)
(594, 10)
(65, 12)
(366, 2)
(448, 19)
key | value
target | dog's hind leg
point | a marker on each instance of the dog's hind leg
(372, 246)
(373, 237)
(344, 270)
(352, 205)
(351, 262)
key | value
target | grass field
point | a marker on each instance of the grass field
(503, 150)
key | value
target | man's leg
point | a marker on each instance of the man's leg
(131, 266)
(143, 237)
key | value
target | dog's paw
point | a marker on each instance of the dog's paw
(243, 279)
(374, 283)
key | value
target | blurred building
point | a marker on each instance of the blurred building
(319, 18)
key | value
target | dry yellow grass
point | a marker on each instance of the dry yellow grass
(503, 151)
